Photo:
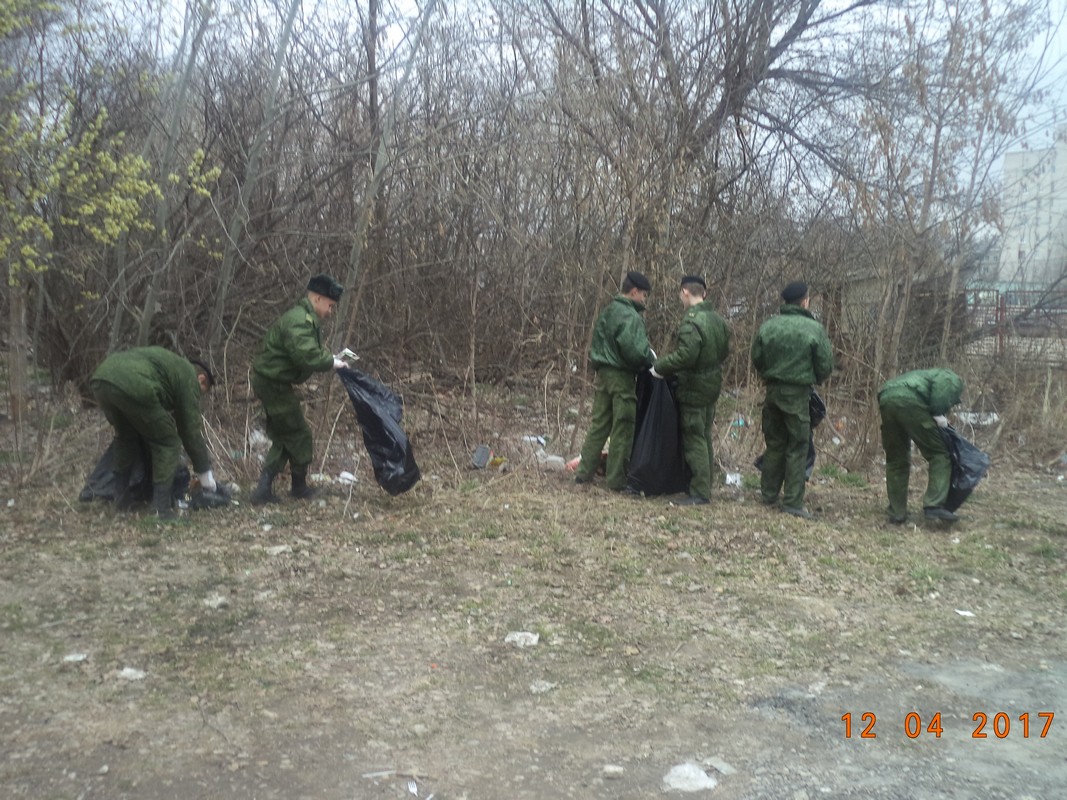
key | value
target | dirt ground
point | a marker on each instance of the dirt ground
(344, 647)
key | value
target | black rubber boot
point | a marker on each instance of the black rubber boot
(264, 491)
(301, 490)
(123, 496)
(162, 501)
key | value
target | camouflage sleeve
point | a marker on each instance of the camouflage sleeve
(189, 422)
(686, 351)
(633, 344)
(823, 362)
(304, 347)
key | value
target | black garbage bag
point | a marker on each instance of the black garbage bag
(816, 409)
(379, 412)
(203, 499)
(969, 466)
(100, 485)
(816, 414)
(657, 461)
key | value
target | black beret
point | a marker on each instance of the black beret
(795, 292)
(326, 286)
(693, 279)
(639, 281)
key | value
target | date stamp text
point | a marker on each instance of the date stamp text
(997, 725)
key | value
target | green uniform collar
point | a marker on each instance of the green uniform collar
(638, 307)
(791, 308)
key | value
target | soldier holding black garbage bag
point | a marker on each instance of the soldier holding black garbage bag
(913, 408)
(619, 351)
(292, 352)
(701, 345)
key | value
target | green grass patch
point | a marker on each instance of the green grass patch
(211, 628)
(853, 480)
(1050, 527)
(59, 422)
(832, 472)
(592, 635)
(928, 574)
(13, 456)
(651, 675)
(12, 618)
(1047, 551)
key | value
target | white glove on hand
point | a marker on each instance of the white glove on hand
(941, 420)
(207, 482)
(654, 373)
(339, 363)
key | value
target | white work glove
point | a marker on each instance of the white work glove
(654, 373)
(207, 481)
(941, 420)
(339, 363)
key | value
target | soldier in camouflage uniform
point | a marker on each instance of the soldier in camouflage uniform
(618, 352)
(913, 406)
(703, 342)
(291, 352)
(791, 352)
(151, 394)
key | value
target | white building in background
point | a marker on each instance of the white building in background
(1034, 246)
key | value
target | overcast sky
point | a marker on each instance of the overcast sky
(1054, 115)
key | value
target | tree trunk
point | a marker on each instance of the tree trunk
(349, 306)
(18, 390)
(166, 165)
(235, 233)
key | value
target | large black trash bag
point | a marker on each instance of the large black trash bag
(100, 485)
(816, 414)
(816, 409)
(969, 466)
(379, 412)
(657, 461)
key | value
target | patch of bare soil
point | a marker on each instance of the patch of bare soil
(345, 647)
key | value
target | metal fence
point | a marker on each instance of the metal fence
(1022, 324)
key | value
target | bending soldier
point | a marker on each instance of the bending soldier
(913, 407)
(153, 394)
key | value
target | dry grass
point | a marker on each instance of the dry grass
(293, 651)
